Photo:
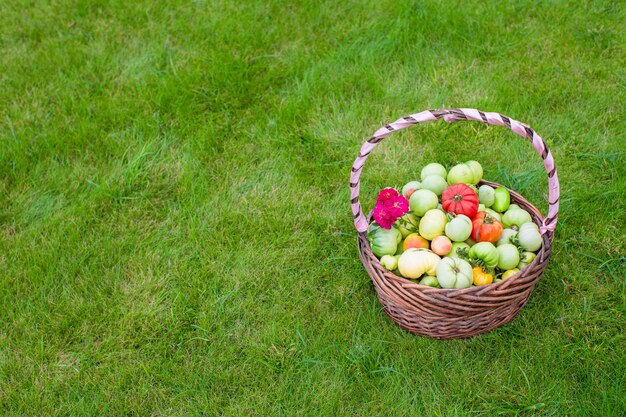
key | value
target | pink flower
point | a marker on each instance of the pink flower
(386, 194)
(398, 206)
(383, 216)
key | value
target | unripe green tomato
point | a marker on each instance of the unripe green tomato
(515, 217)
(389, 262)
(410, 188)
(460, 173)
(432, 224)
(507, 234)
(526, 259)
(459, 228)
(502, 199)
(477, 171)
(421, 201)
(433, 169)
(454, 273)
(529, 237)
(456, 247)
(486, 195)
(508, 256)
(509, 273)
(435, 183)
(430, 281)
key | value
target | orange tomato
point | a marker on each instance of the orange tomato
(486, 228)
(414, 240)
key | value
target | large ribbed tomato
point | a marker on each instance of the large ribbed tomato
(486, 228)
(460, 199)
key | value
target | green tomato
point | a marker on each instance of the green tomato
(430, 281)
(456, 247)
(413, 185)
(473, 187)
(435, 183)
(460, 173)
(477, 171)
(529, 237)
(481, 207)
(423, 200)
(514, 206)
(432, 224)
(407, 224)
(526, 259)
(454, 273)
(486, 195)
(515, 217)
(507, 234)
(433, 169)
(459, 228)
(508, 256)
(509, 273)
(502, 199)
(389, 262)
(486, 253)
(384, 241)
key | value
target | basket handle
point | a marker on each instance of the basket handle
(454, 115)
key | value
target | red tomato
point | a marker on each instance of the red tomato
(486, 228)
(460, 199)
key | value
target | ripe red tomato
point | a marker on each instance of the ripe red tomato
(486, 228)
(460, 199)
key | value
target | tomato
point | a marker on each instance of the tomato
(410, 188)
(509, 273)
(485, 228)
(507, 235)
(414, 240)
(454, 273)
(515, 217)
(441, 245)
(461, 173)
(477, 171)
(421, 201)
(508, 256)
(458, 247)
(502, 199)
(526, 259)
(433, 169)
(459, 228)
(460, 199)
(384, 241)
(389, 262)
(416, 262)
(529, 237)
(486, 195)
(432, 224)
(434, 183)
(485, 254)
(407, 224)
(480, 277)
(430, 281)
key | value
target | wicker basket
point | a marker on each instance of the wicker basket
(456, 313)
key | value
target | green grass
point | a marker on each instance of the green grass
(175, 230)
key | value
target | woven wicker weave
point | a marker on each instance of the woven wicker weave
(452, 313)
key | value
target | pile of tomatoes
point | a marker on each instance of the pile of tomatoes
(448, 233)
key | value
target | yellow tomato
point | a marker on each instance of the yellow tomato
(481, 277)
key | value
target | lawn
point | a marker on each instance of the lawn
(175, 228)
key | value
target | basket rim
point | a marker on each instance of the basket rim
(539, 259)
